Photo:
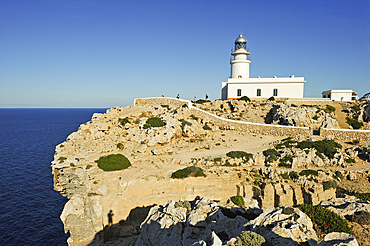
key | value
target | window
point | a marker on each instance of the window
(239, 92)
(258, 92)
(275, 92)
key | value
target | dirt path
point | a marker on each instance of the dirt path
(341, 116)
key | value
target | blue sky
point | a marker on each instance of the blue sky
(106, 53)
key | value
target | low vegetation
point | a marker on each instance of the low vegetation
(207, 128)
(249, 238)
(337, 175)
(354, 123)
(88, 166)
(113, 162)
(309, 172)
(240, 154)
(124, 121)
(194, 117)
(62, 159)
(192, 171)
(326, 147)
(244, 98)
(201, 101)
(184, 123)
(363, 196)
(120, 146)
(271, 155)
(154, 122)
(237, 200)
(329, 184)
(326, 220)
(286, 161)
(183, 204)
(349, 160)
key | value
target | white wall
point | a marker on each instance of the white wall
(338, 95)
(285, 89)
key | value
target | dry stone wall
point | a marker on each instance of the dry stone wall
(344, 134)
(263, 129)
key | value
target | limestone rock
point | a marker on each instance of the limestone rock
(329, 123)
(338, 239)
(348, 205)
(284, 226)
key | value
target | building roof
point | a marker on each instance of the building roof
(240, 39)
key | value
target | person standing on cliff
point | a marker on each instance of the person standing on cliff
(178, 96)
(206, 97)
(110, 218)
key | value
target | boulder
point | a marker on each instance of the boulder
(348, 205)
(338, 239)
(284, 226)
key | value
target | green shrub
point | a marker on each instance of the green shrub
(326, 147)
(329, 109)
(217, 159)
(207, 128)
(137, 121)
(88, 166)
(325, 219)
(309, 172)
(192, 171)
(249, 238)
(124, 121)
(315, 117)
(155, 122)
(120, 145)
(356, 141)
(319, 155)
(271, 155)
(146, 126)
(363, 196)
(237, 200)
(174, 111)
(293, 175)
(221, 106)
(284, 175)
(337, 175)
(62, 159)
(166, 106)
(350, 160)
(185, 105)
(354, 123)
(183, 204)
(329, 184)
(194, 117)
(271, 99)
(244, 98)
(293, 105)
(184, 122)
(286, 161)
(113, 162)
(239, 154)
(201, 101)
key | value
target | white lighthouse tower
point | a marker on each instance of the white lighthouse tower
(240, 60)
(239, 83)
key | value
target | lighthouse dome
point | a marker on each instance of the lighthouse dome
(240, 39)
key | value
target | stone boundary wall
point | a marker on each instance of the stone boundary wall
(161, 101)
(345, 134)
(309, 101)
(256, 128)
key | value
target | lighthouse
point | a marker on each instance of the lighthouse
(239, 83)
(240, 59)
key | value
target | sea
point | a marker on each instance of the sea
(29, 206)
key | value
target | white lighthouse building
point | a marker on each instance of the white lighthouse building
(240, 84)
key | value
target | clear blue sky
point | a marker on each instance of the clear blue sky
(106, 53)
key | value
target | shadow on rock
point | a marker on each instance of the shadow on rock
(123, 229)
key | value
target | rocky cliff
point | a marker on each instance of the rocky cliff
(105, 206)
